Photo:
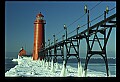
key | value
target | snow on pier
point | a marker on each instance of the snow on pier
(28, 68)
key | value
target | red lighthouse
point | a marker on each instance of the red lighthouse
(39, 36)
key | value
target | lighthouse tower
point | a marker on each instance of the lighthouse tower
(39, 35)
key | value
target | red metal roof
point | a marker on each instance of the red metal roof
(39, 15)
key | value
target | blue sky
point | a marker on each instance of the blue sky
(20, 17)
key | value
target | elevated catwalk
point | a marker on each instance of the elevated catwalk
(73, 42)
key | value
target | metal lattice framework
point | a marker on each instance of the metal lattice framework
(73, 42)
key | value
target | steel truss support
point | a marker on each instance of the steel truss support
(102, 51)
(72, 44)
(56, 49)
(59, 48)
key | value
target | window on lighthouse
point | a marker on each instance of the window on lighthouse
(39, 18)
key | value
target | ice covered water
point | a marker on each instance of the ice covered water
(29, 68)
